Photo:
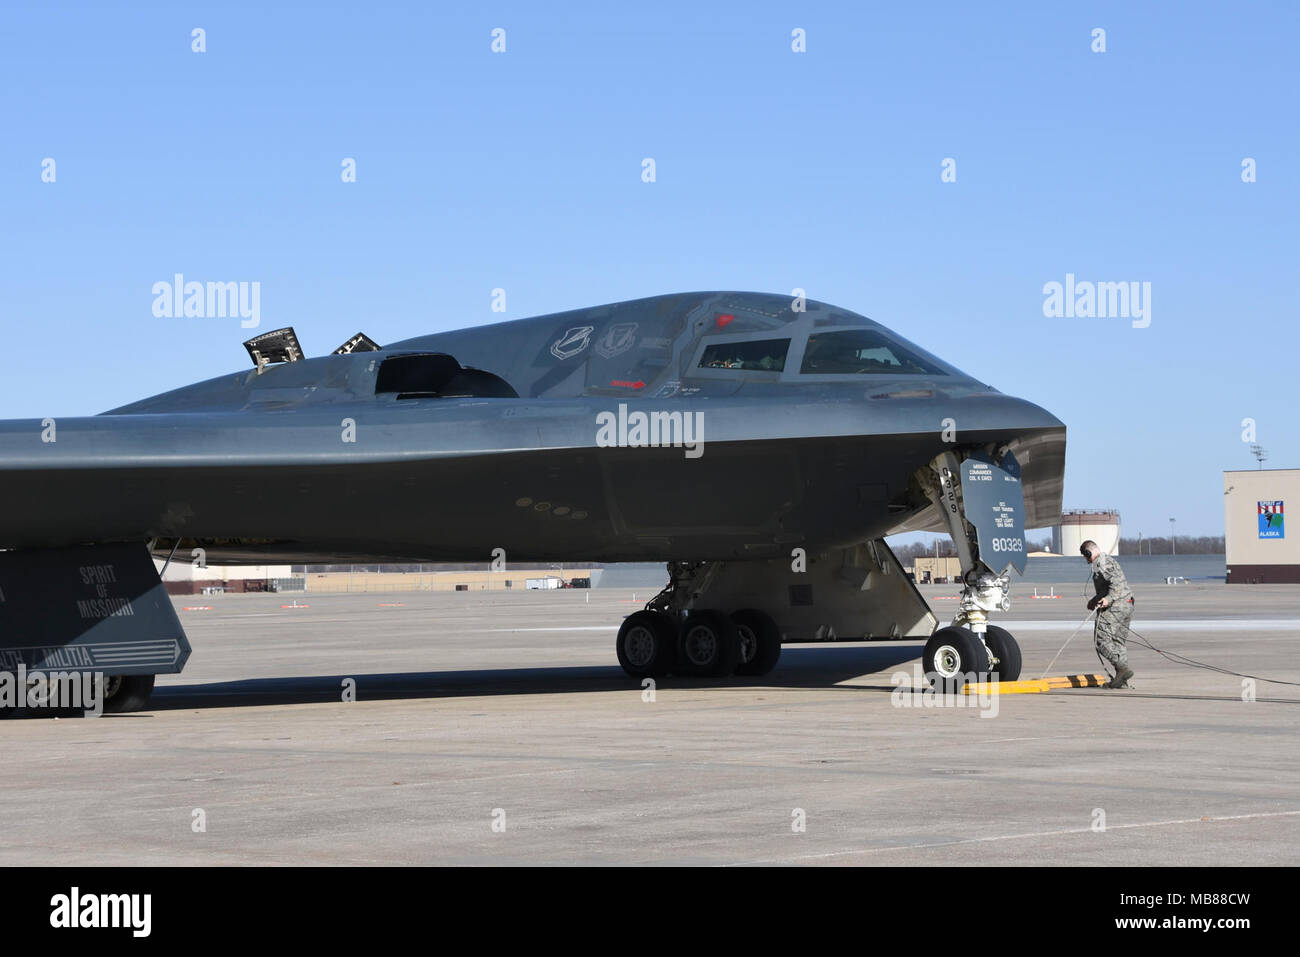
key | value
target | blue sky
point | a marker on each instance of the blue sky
(775, 170)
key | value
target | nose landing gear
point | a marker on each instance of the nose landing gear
(954, 656)
(1005, 653)
(970, 648)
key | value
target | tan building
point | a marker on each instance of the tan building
(928, 570)
(1260, 548)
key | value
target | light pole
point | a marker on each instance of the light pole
(1173, 539)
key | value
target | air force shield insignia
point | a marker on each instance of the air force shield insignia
(572, 342)
(618, 338)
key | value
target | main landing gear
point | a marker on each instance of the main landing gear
(126, 693)
(118, 694)
(706, 643)
(718, 618)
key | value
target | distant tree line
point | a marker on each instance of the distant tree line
(907, 554)
(1189, 545)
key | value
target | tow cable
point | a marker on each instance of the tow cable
(1193, 663)
(1067, 641)
(1169, 655)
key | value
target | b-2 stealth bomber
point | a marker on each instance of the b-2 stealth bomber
(762, 446)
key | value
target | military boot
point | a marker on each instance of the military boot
(1122, 674)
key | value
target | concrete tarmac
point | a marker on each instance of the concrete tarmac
(497, 728)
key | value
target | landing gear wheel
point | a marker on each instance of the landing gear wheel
(123, 693)
(1005, 648)
(760, 642)
(951, 656)
(709, 645)
(647, 644)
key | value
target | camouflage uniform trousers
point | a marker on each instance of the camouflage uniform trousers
(1111, 633)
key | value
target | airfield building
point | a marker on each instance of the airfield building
(190, 577)
(1259, 550)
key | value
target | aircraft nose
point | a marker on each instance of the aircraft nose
(995, 410)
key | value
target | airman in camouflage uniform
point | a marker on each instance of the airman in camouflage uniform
(1114, 605)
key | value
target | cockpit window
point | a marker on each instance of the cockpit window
(861, 352)
(762, 355)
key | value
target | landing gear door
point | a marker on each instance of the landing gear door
(995, 505)
(88, 608)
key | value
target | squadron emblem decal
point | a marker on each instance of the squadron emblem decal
(618, 338)
(1272, 518)
(572, 342)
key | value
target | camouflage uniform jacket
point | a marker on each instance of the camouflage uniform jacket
(1108, 578)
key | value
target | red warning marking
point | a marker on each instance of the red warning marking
(197, 608)
(725, 319)
(625, 384)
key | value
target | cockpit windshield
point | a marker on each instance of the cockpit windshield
(762, 355)
(861, 352)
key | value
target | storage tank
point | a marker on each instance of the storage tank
(1078, 525)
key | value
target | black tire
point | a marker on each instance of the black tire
(952, 657)
(123, 693)
(760, 642)
(709, 645)
(1007, 650)
(647, 644)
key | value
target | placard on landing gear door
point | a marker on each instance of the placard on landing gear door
(995, 505)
